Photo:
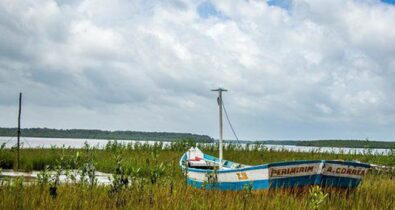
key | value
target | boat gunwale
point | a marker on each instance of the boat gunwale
(268, 165)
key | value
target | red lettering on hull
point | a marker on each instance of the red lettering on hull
(347, 171)
(291, 171)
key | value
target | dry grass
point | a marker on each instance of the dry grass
(170, 191)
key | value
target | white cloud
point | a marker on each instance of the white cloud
(324, 66)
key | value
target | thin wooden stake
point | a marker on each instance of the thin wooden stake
(19, 131)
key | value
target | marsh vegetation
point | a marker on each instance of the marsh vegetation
(148, 176)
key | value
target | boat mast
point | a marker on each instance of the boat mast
(19, 131)
(219, 99)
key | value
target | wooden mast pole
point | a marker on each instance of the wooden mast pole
(19, 131)
(219, 99)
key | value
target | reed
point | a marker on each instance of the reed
(148, 177)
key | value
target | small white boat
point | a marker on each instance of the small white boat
(203, 171)
(208, 172)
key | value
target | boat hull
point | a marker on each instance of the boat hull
(337, 174)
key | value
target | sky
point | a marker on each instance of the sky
(295, 69)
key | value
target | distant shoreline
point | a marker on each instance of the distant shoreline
(174, 137)
(329, 143)
(105, 135)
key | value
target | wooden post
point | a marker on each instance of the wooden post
(19, 132)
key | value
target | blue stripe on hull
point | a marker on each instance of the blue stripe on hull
(294, 181)
(332, 181)
(255, 185)
(324, 181)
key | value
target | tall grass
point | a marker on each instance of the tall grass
(148, 177)
(372, 194)
(137, 154)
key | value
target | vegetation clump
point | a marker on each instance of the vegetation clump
(148, 176)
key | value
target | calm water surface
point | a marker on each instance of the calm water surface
(33, 142)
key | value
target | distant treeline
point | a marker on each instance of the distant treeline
(166, 136)
(348, 143)
(274, 142)
(325, 143)
(108, 135)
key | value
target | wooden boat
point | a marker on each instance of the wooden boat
(208, 172)
(203, 171)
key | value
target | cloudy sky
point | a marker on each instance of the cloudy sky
(295, 69)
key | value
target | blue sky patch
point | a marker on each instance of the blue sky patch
(389, 1)
(207, 9)
(285, 4)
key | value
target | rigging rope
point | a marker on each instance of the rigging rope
(10, 139)
(23, 139)
(230, 124)
(27, 142)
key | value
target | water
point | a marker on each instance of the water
(337, 150)
(36, 142)
(33, 142)
(101, 178)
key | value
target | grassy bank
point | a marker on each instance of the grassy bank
(372, 194)
(149, 177)
(137, 155)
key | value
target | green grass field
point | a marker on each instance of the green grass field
(148, 177)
